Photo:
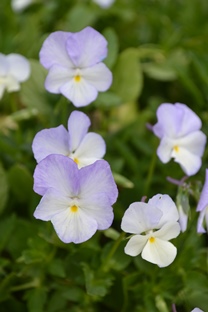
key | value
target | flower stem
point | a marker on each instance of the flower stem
(105, 266)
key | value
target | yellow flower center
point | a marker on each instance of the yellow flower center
(76, 161)
(176, 148)
(151, 239)
(74, 208)
(77, 78)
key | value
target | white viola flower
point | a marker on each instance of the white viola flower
(178, 127)
(20, 5)
(104, 3)
(202, 207)
(152, 224)
(197, 310)
(14, 69)
(77, 143)
(78, 202)
(74, 62)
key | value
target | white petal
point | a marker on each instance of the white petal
(57, 77)
(135, 245)
(189, 162)
(165, 149)
(78, 125)
(76, 227)
(169, 231)
(167, 206)
(104, 3)
(79, 93)
(189, 151)
(19, 67)
(159, 252)
(4, 66)
(50, 141)
(70, 226)
(140, 217)
(197, 310)
(51, 204)
(19, 5)
(183, 218)
(194, 142)
(91, 149)
(99, 76)
(12, 84)
(200, 227)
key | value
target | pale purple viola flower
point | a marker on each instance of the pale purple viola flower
(202, 207)
(77, 143)
(78, 202)
(178, 127)
(197, 310)
(74, 61)
(14, 69)
(152, 224)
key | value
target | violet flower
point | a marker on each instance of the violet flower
(202, 207)
(178, 127)
(153, 225)
(84, 148)
(78, 202)
(74, 61)
(14, 69)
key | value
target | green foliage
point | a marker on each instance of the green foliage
(157, 52)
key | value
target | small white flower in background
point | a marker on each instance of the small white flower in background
(153, 225)
(14, 69)
(178, 127)
(76, 143)
(202, 207)
(104, 3)
(20, 5)
(197, 310)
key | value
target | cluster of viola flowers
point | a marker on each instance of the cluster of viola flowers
(77, 186)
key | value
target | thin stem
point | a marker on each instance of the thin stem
(105, 265)
(33, 284)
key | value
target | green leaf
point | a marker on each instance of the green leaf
(96, 285)
(3, 188)
(119, 260)
(21, 182)
(36, 299)
(128, 79)
(161, 71)
(74, 294)
(56, 268)
(6, 230)
(113, 46)
(79, 17)
(122, 181)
